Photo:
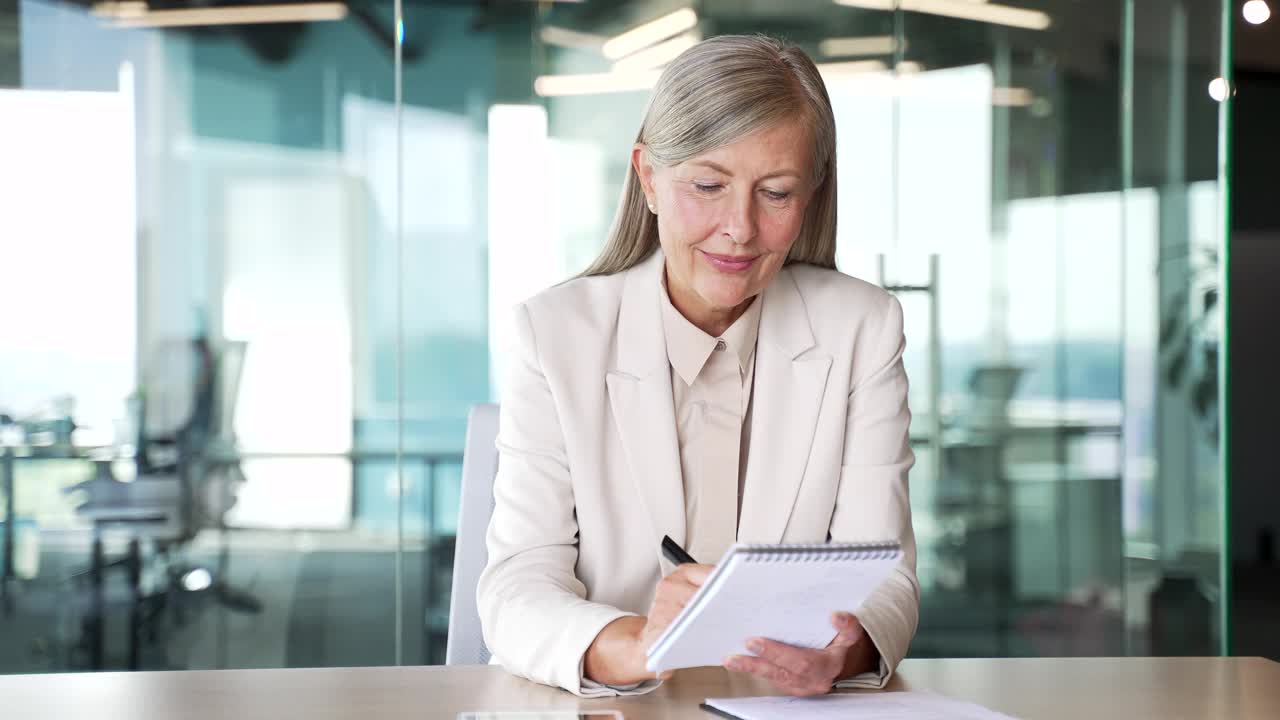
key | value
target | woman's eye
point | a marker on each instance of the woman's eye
(706, 188)
(777, 195)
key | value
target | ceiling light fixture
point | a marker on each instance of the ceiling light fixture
(1012, 97)
(642, 36)
(129, 15)
(964, 10)
(1218, 89)
(1256, 12)
(852, 67)
(859, 46)
(594, 83)
(658, 55)
(566, 38)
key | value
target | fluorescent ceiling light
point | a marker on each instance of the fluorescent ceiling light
(643, 36)
(122, 9)
(868, 4)
(1012, 96)
(963, 9)
(658, 55)
(129, 15)
(594, 83)
(564, 37)
(859, 46)
(853, 67)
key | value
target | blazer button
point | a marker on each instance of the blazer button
(720, 345)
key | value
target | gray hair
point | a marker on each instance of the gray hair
(715, 93)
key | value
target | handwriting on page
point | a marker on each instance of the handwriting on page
(911, 705)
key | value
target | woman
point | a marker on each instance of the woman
(711, 377)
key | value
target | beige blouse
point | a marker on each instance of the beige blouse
(711, 381)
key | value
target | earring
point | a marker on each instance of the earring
(653, 209)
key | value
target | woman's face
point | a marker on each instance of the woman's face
(727, 218)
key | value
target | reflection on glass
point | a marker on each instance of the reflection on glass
(199, 405)
(198, 393)
(980, 179)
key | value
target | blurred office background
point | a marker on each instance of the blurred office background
(256, 263)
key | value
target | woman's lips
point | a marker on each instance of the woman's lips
(730, 263)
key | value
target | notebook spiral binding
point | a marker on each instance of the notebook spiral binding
(810, 553)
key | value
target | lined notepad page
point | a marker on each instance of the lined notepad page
(912, 705)
(785, 593)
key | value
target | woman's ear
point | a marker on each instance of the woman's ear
(644, 171)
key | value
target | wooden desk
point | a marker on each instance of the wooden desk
(1070, 689)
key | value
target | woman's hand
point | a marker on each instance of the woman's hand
(617, 655)
(673, 593)
(804, 671)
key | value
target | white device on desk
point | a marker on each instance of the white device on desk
(884, 705)
(785, 593)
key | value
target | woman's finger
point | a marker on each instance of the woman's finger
(759, 666)
(784, 679)
(849, 630)
(664, 611)
(801, 662)
(676, 591)
(671, 597)
(694, 574)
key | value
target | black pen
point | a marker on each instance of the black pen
(675, 553)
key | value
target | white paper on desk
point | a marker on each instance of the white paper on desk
(789, 598)
(911, 705)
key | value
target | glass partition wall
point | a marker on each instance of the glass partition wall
(225, 444)
(259, 268)
(1040, 187)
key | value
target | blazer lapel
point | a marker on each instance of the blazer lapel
(789, 386)
(641, 402)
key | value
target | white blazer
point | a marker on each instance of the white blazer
(589, 469)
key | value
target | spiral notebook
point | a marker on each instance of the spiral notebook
(782, 592)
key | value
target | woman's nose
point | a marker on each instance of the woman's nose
(739, 222)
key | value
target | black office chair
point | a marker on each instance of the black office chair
(188, 475)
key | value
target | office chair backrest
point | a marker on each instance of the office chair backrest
(170, 376)
(992, 388)
(230, 364)
(479, 465)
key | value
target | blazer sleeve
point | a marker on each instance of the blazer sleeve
(873, 502)
(533, 609)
